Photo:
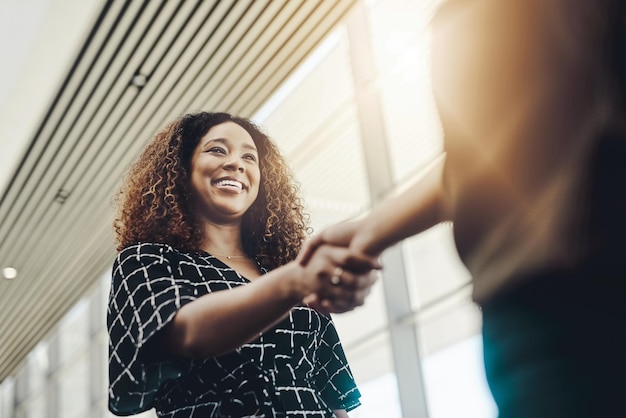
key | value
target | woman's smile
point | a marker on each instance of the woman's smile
(229, 185)
(225, 173)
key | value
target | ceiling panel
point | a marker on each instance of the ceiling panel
(55, 215)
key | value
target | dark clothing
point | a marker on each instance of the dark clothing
(555, 347)
(296, 369)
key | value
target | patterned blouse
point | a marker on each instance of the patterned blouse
(296, 369)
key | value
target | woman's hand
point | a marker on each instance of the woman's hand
(339, 235)
(341, 278)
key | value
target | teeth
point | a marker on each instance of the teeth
(230, 183)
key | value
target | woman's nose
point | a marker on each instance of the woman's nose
(234, 164)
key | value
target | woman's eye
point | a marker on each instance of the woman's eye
(218, 150)
(250, 157)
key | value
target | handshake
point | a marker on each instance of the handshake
(342, 261)
(345, 265)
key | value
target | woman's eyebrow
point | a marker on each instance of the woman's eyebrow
(220, 140)
(250, 147)
(224, 141)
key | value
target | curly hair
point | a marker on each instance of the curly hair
(154, 202)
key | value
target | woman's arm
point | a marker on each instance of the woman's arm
(415, 210)
(420, 207)
(219, 322)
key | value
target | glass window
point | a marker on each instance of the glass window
(102, 339)
(401, 43)
(73, 388)
(38, 368)
(434, 270)
(7, 397)
(313, 119)
(381, 398)
(36, 406)
(73, 332)
(456, 384)
(21, 384)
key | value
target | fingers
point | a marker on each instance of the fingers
(347, 291)
(347, 281)
(326, 259)
(360, 263)
(308, 249)
(343, 303)
(338, 235)
(351, 260)
(339, 280)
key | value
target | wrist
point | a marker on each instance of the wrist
(365, 240)
(296, 287)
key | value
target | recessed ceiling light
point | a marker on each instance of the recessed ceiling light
(9, 273)
(139, 80)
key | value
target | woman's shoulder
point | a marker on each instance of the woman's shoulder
(150, 251)
(163, 252)
(154, 248)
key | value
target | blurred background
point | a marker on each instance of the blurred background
(344, 89)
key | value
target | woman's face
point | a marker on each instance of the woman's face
(225, 174)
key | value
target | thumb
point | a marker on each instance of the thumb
(307, 250)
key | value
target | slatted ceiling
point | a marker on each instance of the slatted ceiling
(306, 45)
(174, 16)
(256, 60)
(196, 43)
(217, 55)
(234, 58)
(272, 34)
(44, 172)
(37, 149)
(167, 87)
(216, 68)
(310, 94)
(53, 174)
(83, 98)
(217, 75)
(192, 45)
(320, 26)
(84, 260)
(176, 53)
(58, 298)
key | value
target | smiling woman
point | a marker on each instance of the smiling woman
(225, 174)
(205, 313)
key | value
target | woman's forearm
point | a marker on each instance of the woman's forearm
(413, 211)
(222, 321)
(219, 322)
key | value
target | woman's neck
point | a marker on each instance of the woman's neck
(223, 240)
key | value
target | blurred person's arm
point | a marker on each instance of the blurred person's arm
(413, 211)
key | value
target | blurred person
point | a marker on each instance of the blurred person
(205, 314)
(532, 100)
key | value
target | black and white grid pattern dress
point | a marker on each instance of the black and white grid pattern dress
(296, 369)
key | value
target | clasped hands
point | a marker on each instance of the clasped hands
(346, 268)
